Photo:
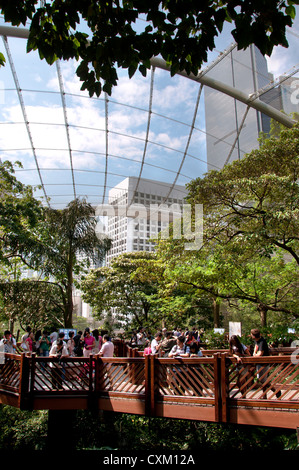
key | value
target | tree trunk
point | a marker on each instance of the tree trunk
(11, 325)
(68, 316)
(216, 310)
(263, 314)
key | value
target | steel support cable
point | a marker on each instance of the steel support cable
(188, 143)
(231, 91)
(215, 62)
(200, 75)
(154, 113)
(270, 86)
(91, 153)
(208, 81)
(126, 135)
(66, 125)
(237, 136)
(106, 146)
(147, 135)
(22, 104)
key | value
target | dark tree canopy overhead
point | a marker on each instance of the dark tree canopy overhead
(181, 31)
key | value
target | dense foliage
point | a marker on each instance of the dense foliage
(26, 431)
(250, 248)
(57, 244)
(104, 35)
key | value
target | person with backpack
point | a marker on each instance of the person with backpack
(180, 349)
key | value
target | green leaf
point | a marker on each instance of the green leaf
(291, 11)
(2, 59)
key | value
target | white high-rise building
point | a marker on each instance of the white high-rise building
(138, 219)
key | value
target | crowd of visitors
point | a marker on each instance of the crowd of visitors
(49, 344)
(172, 344)
(166, 343)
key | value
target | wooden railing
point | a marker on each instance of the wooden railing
(216, 388)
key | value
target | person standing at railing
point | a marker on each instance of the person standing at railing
(44, 346)
(58, 351)
(107, 350)
(79, 343)
(24, 344)
(179, 372)
(180, 349)
(98, 341)
(29, 341)
(156, 343)
(239, 350)
(167, 343)
(89, 343)
(8, 343)
(195, 350)
(261, 349)
(141, 338)
(54, 336)
(70, 344)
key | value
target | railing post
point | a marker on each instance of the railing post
(90, 368)
(152, 385)
(217, 387)
(32, 375)
(96, 373)
(92, 382)
(147, 377)
(24, 382)
(224, 389)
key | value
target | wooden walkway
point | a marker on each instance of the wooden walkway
(213, 388)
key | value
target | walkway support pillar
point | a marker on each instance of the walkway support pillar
(61, 432)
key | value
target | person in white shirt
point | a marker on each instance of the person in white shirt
(60, 336)
(8, 343)
(141, 337)
(53, 336)
(156, 343)
(107, 348)
(59, 350)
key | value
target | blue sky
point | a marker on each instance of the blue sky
(173, 107)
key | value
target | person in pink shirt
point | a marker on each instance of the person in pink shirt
(29, 342)
(89, 343)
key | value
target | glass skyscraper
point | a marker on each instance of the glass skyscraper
(232, 128)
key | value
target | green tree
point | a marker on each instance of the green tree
(33, 302)
(67, 244)
(181, 31)
(250, 239)
(20, 214)
(119, 286)
(255, 199)
(232, 273)
(57, 243)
